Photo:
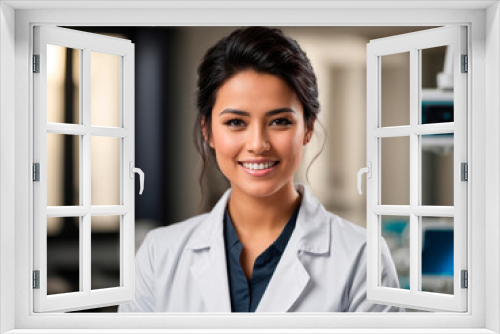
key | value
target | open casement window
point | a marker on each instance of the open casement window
(417, 159)
(83, 156)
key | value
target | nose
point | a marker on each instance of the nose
(258, 141)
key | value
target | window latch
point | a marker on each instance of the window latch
(141, 175)
(368, 171)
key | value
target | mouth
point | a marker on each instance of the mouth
(263, 165)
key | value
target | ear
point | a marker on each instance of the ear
(204, 132)
(309, 131)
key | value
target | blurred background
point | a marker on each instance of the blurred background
(166, 59)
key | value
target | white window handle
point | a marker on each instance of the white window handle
(141, 175)
(367, 170)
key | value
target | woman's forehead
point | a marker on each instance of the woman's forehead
(252, 91)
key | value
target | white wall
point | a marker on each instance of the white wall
(492, 163)
(7, 160)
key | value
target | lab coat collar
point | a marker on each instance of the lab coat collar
(211, 228)
(312, 226)
(210, 272)
(311, 234)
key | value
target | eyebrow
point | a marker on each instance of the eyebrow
(246, 113)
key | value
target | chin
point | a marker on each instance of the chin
(259, 189)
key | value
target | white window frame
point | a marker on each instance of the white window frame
(414, 43)
(86, 43)
(16, 125)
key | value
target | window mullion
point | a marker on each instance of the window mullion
(433, 128)
(414, 167)
(109, 210)
(109, 132)
(392, 210)
(82, 184)
(80, 211)
(85, 244)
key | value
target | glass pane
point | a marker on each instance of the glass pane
(105, 253)
(105, 89)
(63, 84)
(105, 160)
(437, 169)
(395, 90)
(396, 232)
(63, 170)
(437, 254)
(63, 255)
(437, 85)
(395, 171)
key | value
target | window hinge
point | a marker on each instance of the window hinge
(36, 279)
(464, 171)
(36, 63)
(36, 172)
(465, 279)
(465, 64)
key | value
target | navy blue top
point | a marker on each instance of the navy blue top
(246, 295)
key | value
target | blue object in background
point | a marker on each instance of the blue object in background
(437, 252)
(394, 226)
(393, 230)
(437, 111)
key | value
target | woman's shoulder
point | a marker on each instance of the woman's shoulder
(176, 234)
(346, 232)
(322, 224)
(346, 226)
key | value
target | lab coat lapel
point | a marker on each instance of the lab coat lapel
(210, 272)
(312, 235)
(287, 283)
(290, 279)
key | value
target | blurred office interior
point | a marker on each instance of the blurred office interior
(166, 59)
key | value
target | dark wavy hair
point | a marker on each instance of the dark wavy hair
(264, 50)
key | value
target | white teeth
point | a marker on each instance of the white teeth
(257, 166)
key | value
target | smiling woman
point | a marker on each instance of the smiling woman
(268, 245)
(270, 131)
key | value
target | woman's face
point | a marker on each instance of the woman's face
(258, 133)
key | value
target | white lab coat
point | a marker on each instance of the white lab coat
(182, 267)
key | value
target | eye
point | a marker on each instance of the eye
(235, 123)
(281, 122)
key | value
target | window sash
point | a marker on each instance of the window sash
(86, 297)
(412, 43)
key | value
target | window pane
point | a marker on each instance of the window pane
(105, 253)
(437, 85)
(63, 170)
(395, 90)
(63, 84)
(437, 169)
(105, 89)
(437, 254)
(396, 232)
(395, 171)
(105, 171)
(63, 255)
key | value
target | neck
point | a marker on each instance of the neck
(257, 215)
